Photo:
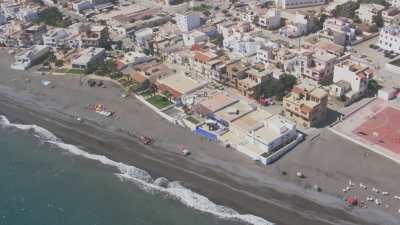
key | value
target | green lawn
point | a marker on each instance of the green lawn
(192, 120)
(62, 70)
(159, 101)
(76, 71)
(145, 93)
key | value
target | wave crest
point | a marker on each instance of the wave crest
(143, 178)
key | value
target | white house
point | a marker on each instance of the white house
(298, 26)
(350, 79)
(3, 18)
(27, 15)
(271, 19)
(82, 5)
(29, 57)
(143, 35)
(275, 132)
(87, 56)
(366, 12)
(194, 37)
(391, 16)
(389, 38)
(55, 38)
(290, 4)
(340, 31)
(187, 21)
(394, 3)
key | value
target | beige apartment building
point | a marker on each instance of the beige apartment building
(306, 105)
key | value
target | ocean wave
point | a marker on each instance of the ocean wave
(143, 179)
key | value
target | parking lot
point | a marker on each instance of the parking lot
(375, 56)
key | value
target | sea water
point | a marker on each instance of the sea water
(45, 181)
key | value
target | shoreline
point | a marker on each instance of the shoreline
(220, 189)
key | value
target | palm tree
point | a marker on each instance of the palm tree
(153, 89)
(167, 94)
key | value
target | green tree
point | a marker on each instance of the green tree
(378, 20)
(153, 89)
(167, 95)
(373, 86)
(53, 17)
(59, 62)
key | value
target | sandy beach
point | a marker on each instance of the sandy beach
(212, 170)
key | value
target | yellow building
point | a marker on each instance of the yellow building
(306, 105)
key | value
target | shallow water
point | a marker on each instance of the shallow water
(44, 184)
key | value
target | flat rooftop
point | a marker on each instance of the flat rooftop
(218, 102)
(234, 111)
(181, 83)
(251, 120)
(274, 128)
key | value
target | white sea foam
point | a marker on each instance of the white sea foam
(143, 179)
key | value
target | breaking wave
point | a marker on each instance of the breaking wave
(143, 179)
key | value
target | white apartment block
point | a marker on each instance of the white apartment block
(273, 133)
(316, 65)
(187, 21)
(341, 31)
(391, 16)
(194, 37)
(389, 38)
(271, 19)
(394, 3)
(27, 15)
(366, 12)
(87, 56)
(352, 74)
(29, 57)
(3, 18)
(289, 4)
(55, 38)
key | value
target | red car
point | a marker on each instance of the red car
(146, 140)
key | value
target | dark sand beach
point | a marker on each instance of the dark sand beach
(225, 176)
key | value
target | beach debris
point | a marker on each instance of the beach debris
(375, 190)
(45, 83)
(344, 190)
(378, 201)
(300, 175)
(396, 197)
(351, 184)
(352, 200)
(79, 119)
(370, 198)
(184, 151)
(317, 188)
(100, 109)
(146, 140)
(348, 188)
(124, 95)
(363, 204)
(363, 186)
(91, 82)
(385, 193)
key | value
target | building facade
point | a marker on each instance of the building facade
(306, 105)
(389, 38)
(187, 21)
